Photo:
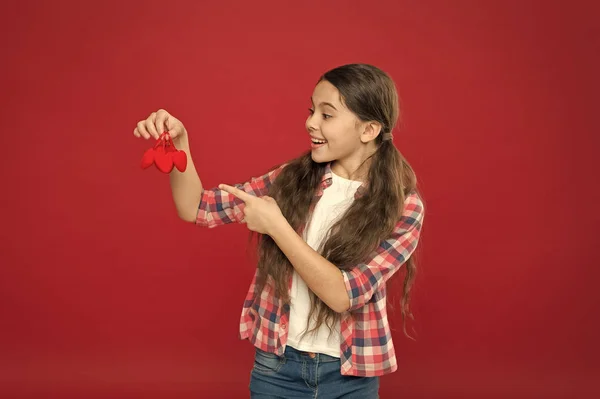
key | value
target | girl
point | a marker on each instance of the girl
(334, 226)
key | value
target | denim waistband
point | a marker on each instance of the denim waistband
(298, 355)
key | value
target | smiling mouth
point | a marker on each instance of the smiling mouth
(318, 141)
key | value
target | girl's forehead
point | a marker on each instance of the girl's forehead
(326, 92)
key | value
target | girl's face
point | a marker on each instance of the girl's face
(336, 132)
(332, 126)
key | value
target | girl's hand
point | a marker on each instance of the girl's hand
(261, 214)
(159, 122)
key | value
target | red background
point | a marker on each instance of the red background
(105, 293)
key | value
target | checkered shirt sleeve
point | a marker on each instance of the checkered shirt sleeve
(366, 278)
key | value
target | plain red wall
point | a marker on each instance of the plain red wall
(104, 293)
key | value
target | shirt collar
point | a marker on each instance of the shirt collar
(326, 181)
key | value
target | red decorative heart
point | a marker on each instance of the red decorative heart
(163, 160)
(179, 157)
(165, 155)
(148, 158)
(180, 160)
(169, 146)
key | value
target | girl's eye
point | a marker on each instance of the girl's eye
(325, 116)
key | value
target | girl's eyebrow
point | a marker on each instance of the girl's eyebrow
(323, 103)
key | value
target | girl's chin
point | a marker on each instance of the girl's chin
(319, 158)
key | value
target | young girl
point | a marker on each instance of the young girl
(334, 226)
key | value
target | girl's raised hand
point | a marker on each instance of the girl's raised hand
(157, 123)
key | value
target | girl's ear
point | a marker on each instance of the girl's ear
(370, 131)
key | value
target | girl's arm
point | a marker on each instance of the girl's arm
(320, 275)
(349, 290)
(208, 208)
(341, 290)
(186, 187)
(218, 207)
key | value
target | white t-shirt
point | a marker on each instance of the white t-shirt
(336, 199)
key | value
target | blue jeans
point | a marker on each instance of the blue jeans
(299, 374)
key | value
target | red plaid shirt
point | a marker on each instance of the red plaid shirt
(366, 342)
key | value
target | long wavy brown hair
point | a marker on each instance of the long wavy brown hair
(371, 95)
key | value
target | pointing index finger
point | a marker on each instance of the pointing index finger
(244, 196)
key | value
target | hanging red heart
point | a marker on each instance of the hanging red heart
(179, 157)
(148, 158)
(163, 160)
(165, 155)
(180, 160)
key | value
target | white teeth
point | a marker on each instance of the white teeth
(317, 141)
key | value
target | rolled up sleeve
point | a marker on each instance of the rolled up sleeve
(366, 278)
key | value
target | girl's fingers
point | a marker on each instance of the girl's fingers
(157, 123)
(150, 126)
(141, 128)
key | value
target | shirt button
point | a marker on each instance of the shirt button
(284, 326)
